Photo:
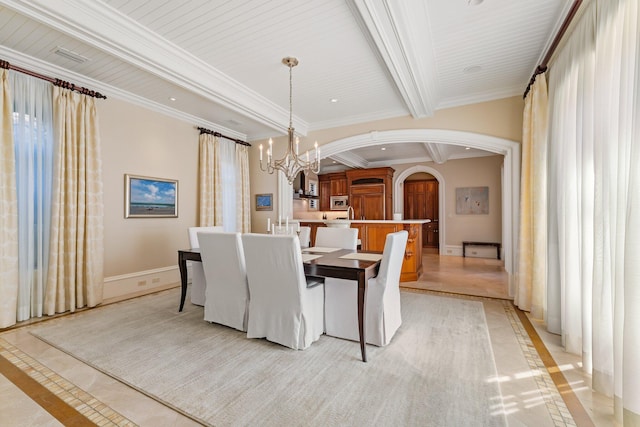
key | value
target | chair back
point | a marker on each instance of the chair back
(392, 257)
(225, 271)
(281, 308)
(193, 234)
(333, 237)
(274, 268)
(305, 237)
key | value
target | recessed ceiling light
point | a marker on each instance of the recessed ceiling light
(467, 148)
(333, 100)
(472, 69)
(334, 162)
(383, 148)
(171, 98)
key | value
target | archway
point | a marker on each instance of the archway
(510, 172)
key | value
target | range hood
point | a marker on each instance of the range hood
(304, 188)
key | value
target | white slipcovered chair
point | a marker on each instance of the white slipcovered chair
(282, 308)
(330, 237)
(227, 292)
(305, 237)
(197, 273)
(382, 307)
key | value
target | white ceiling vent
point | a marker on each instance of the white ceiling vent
(70, 55)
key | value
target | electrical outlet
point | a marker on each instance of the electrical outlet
(155, 280)
(142, 283)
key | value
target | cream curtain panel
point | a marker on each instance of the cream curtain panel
(594, 195)
(76, 274)
(210, 185)
(530, 293)
(224, 195)
(8, 210)
(243, 199)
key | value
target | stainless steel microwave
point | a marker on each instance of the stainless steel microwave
(339, 203)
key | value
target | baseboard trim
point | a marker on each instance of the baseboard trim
(124, 286)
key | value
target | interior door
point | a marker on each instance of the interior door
(421, 202)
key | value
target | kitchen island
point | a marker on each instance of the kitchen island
(373, 233)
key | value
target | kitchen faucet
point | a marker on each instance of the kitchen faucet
(350, 213)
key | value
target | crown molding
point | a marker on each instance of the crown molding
(104, 28)
(51, 70)
(481, 97)
(403, 41)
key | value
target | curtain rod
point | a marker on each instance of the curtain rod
(63, 84)
(556, 41)
(219, 135)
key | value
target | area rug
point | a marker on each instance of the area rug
(438, 370)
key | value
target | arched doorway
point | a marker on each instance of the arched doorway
(399, 202)
(510, 173)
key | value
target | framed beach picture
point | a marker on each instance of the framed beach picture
(264, 202)
(147, 197)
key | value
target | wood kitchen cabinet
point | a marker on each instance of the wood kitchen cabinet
(371, 193)
(331, 184)
(325, 194)
(368, 202)
(339, 186)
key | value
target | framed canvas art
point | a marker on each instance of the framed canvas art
(264, 202)
(147, 197)
(472, 201)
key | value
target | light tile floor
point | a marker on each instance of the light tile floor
(529, 398)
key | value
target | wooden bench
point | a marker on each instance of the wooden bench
(465, 244)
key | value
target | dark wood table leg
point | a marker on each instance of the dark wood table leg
(182, 265)
(362, 290)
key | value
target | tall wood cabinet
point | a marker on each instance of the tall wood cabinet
(371, 193)
(421, 202)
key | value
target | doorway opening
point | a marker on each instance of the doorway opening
(421, 202)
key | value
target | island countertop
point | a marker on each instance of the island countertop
(367, 221)
(372, 235)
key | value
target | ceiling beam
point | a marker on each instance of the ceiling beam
(351, 160)
(401, 33)
(439, 153)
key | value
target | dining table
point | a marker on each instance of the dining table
(317, 262)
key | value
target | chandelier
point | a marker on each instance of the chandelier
(291, 164)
